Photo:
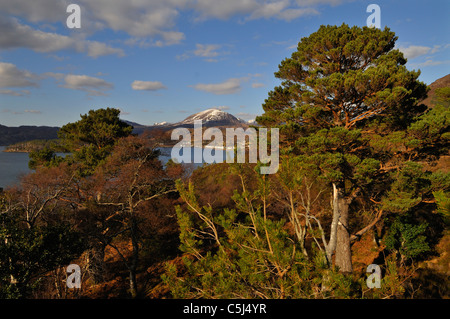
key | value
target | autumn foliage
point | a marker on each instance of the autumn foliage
(363, 179)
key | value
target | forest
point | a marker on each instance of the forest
(363, 180)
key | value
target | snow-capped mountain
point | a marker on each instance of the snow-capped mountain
(160, 123)
(211, 117)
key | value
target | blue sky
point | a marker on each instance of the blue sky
(162, 60)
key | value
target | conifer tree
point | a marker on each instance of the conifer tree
(343, 85)
(92, 138)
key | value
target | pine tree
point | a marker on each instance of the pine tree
(92, 138)
(342, 86)
(242, 252)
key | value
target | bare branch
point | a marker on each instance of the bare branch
(358, 235)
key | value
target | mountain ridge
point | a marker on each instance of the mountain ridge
(10, 135)
(210, 117)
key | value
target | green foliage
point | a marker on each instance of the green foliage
(345, 98)
(339, 66)
(241, 253)
(28, 253)
(92, 138)
(430, 133)
(45, 157)
(409, 183)
(100, 127)
(366, 170)
(443, 203)
(392, 281)
(348, 115)
(407, 239)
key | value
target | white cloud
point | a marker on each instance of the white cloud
(414, 51)
(17, 35)
(149, 23)
(96, 49)
(147, 85)
(435, 49)
(15, 92)
(91, 85)
(144, 18)
(139, 18)
(432, 63)
(169, 38)
(206, 50)
(229, 86)
(122, 112)
(12, 77)
(280, 10)
(246, 116)
(316, 2)
(54, 75)
(257, 85)
(221, 108)
(37, 10)
(172, 37)
(256, 9)
(224, 9)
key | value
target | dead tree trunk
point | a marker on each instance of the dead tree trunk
(331, 247)
(343, 250)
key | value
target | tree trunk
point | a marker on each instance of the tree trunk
(343, 250)
(331, 247)
(133, 283)
(134, 257)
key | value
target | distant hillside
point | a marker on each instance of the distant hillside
(209, 118)
(439, 83)
(11, 135)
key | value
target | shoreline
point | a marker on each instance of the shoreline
(164, 146)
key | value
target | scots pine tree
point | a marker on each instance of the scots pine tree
(341, 87)
(92, 138)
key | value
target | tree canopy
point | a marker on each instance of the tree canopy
(341, 87)
(363, 179)
(92, 138)
(343, 76)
